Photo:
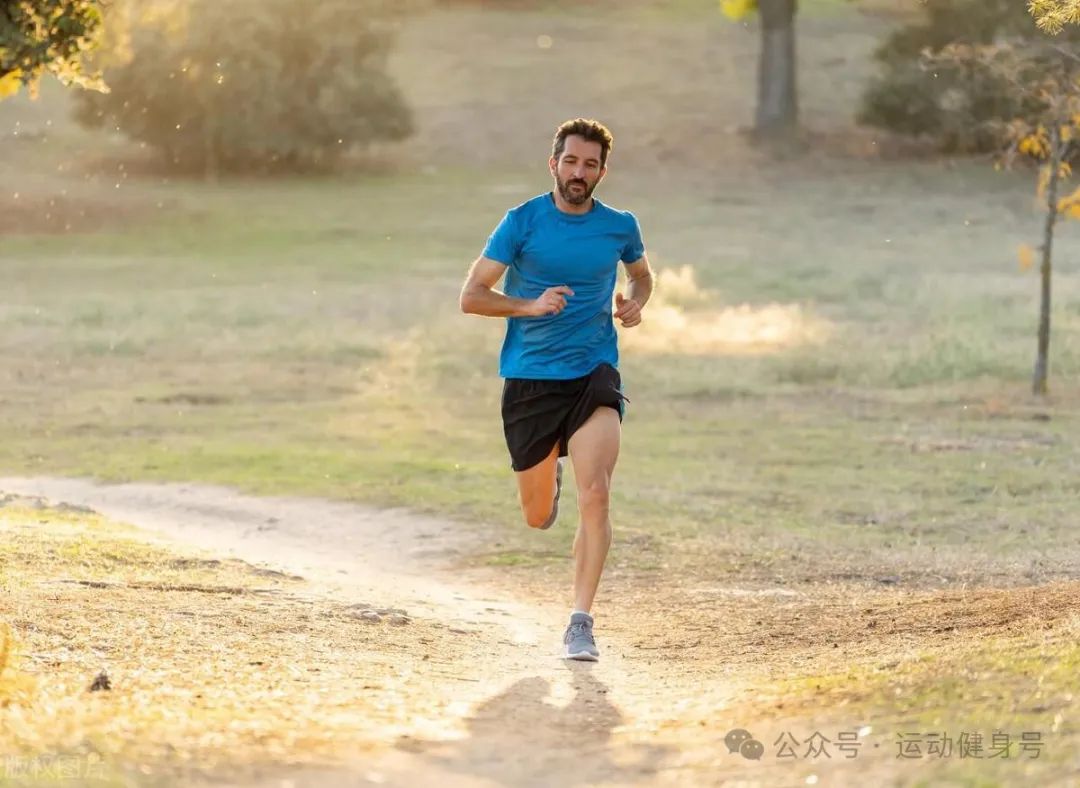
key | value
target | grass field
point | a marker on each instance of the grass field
(831, 384)
(303, 336)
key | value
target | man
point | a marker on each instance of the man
(562, 391)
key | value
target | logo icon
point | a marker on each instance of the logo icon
(742, 741)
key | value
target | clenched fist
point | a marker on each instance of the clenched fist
(551, 302)
(627, 310)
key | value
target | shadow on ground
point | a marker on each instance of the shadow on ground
(523, 737)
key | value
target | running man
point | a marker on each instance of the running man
(562, 393)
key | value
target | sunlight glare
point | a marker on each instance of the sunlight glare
(677, 320)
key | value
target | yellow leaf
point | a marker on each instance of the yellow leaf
(10, 83)
(737, 9)
(1070, 203)
(1027, 257)
(1033, 145)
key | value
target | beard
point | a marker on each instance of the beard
(574, 196)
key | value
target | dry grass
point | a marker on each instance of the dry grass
(219, 668)
(215, 666)
(15, 686)
(841, 656)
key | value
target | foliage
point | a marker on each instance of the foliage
(255, 84)
(47, 36)
(1053, 15)
(1045, 78)
(737, 9)
(961, 106)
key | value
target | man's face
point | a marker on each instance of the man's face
(577, 170)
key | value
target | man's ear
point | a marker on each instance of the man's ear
(552, 164)
(603, 172)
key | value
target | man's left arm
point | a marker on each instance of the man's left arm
(638, 289)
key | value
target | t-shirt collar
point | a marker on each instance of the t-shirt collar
(571, 217)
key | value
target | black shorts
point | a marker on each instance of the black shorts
(537, 414)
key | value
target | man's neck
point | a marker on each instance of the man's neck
(568, 207)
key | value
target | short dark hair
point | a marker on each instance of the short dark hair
(591, 130)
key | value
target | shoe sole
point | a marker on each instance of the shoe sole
(555, 506)
(583, 656)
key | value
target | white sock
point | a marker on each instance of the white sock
(583, 612)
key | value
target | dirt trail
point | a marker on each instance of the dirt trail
(495, 705)
(522, 715)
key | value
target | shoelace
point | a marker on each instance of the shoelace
(580, 628)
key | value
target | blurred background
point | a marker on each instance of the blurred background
(241, 265)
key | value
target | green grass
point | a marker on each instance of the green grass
(301, 335)
(301, 360)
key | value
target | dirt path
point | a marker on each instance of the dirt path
(521, 715)
(489, 702)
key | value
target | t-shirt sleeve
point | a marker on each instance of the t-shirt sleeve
(504, 244)
(635, 247)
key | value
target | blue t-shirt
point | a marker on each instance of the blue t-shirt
(544, 247)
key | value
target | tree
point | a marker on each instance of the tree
(962, 110)
(777, 96)
(255, 84)
(777, 105)
(1053, 15)
(47, 36)
(1045, 76)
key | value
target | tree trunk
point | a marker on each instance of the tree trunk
(1042, 358)
(777, 106)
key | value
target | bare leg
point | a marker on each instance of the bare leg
(594, 448)
(536, 487)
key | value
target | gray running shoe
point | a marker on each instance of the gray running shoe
(579, 639)
(550, 521)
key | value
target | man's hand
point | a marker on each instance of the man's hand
(551, 302)
(627, 310)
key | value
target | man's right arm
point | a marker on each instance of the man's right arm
(479, 298)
